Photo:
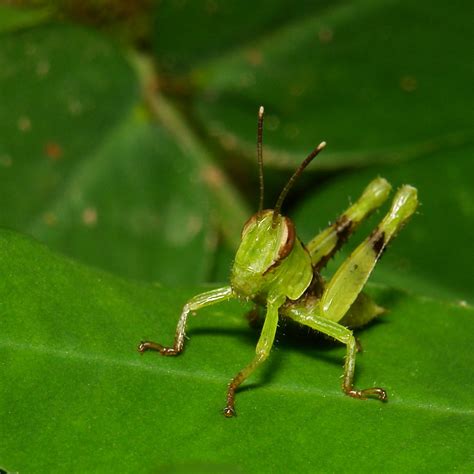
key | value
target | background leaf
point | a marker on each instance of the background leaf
(205, 21)
(141, 237)
(91, 166)
(12, 19)
(99, 406)
(379, 81)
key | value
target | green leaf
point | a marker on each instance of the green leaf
(230, 21)
(12, 19)
(77, 397)
(141, 225)
(80, 167)
(433, 253)
(379, 81)
(231, 211)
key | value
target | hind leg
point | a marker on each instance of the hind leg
(350, 278)
(330, 240)
(346, 285)
(308, 316)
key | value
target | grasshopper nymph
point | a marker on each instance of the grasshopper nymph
(276, 271)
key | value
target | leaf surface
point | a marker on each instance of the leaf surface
(77, 397)
(380, 81)
(13, 19)
(83, 169)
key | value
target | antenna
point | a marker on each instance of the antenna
(304, 164)
(260, 154)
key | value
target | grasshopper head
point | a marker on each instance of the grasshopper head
(267, 237)
(266, 241)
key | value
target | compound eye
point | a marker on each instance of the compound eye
(247, 224)
(253, 220)
(288, 240)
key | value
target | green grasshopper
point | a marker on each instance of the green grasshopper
(275, 270)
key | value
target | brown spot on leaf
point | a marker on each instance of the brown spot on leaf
(254, 56)
(42, 68)
(211, 7)
(297, 90)
(408, 83)
(75, 107)
(89, 216)
(24, 124)
(6, 161)
(325, 34)
(50, 219)
(53, 150)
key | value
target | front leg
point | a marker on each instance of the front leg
(264, 346)
(195, 303)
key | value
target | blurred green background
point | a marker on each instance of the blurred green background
(127, 142)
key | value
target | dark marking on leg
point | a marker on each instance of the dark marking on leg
(317, 285)
(343, 228)
(254, 319)
(377, 239)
